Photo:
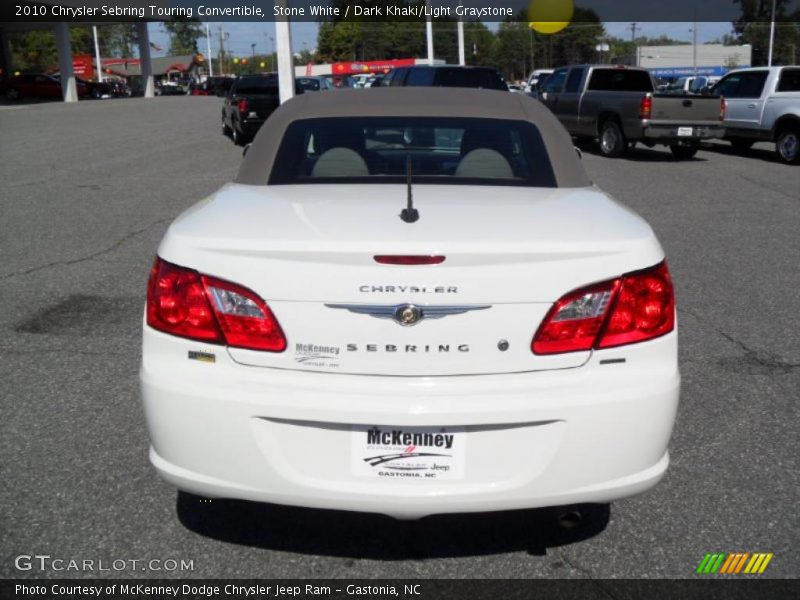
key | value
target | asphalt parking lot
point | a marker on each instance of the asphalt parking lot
(87, 191)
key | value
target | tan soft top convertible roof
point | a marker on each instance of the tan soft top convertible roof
(414, 102)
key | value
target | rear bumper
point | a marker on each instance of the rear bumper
(593, 434)
(249, 127)
(670, 133)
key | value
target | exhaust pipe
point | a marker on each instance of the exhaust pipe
(570, 519)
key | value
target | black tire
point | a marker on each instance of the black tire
(13, 95)
(741, 145)
(238, 137)
(787, 145)
(684, 152)
(612, 140)
(226, 131)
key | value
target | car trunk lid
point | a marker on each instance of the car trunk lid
(509, 253)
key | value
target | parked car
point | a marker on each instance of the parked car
(410, 301)
(314, 84)
(201, 88)
(687, 85)
(360, 80)
(250, 100)
(537, 87)
(618, 105)
(119, 88)
(38, 85)
(97, 89)
(220, 85)
(446, 76)
(172, 87)
(537, 76)
(375, 80)
(763, 104)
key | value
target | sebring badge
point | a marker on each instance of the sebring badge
(408, 314)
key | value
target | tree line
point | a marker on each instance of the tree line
(513, 47)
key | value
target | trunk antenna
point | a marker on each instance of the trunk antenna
(409, 214)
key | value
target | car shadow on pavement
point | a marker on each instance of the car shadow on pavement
(378, 537)
(640, 154)
(765, 154)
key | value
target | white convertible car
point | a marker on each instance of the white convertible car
(411, 301)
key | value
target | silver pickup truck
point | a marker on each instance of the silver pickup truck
(763, 105)
(619, 106)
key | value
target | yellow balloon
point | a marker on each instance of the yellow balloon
(550, 16)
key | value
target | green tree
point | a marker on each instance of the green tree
(521, 49)
(753, 28)
(183, 35)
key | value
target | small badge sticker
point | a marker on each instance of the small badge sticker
(202, 356)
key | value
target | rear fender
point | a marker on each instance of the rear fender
(784, 121)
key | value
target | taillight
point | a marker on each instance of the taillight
(177, 304)
(244, 105)
(723, 108)
(184, 303)
(633, 308)
(245, 319)
(646, 107)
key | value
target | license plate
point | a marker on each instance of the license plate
(408, 453)
(684, 131)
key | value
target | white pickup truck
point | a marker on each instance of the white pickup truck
(763, 104)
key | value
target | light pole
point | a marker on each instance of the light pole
(253, 49)
(771, 34)
(429, 33)
(462, 60)
(208, 51)
(97, 55)
(271, 51)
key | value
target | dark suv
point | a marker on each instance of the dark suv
(446, 76)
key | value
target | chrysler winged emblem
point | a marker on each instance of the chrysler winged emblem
(408, 314)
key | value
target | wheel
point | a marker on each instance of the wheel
(684, 152)
(226, 131)
(741, 145)
(238, 137)
(787, 145)
(612, 141)
(13, 95)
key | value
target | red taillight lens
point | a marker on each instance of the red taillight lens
(634, 308)
(644, 308)
(646, 107)
(575, 321)
(392, 259)
(244, 106)
(177, 304)
(184, 303)
(245, 319)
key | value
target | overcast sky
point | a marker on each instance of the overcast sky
(304, 34)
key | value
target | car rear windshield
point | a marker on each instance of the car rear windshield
(257, 85)
(464, 151)
(620, 80)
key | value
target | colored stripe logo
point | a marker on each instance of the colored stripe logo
(734, 563)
